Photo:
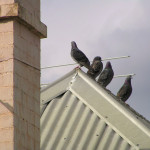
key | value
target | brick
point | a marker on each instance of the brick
(17, 28)
(8, 132)
(37, 145)
(6, 26)
(35, 78)
(24, 126)
(27, 34)
(24, 35)
(31, 130)
(21, 124)
(37, 2)
(30, 103)
(18, 109)
(27, 114)
(6, 2)
(6, 106)
(6, 145)
(28, 59)
(9, 10)
(21, 43)
(37, 121)
(6, 120)
(28, 53)
(6, 52)
(6, 79)
(37, 94)
(31, 117)
(37, 107)
(20, 82)
(6, 66)
(6, 38)
(19, 146)
(37, 134)
(30, 143)
(29, 14)
(22, 141)
(19, 70)
(24, 100)
(25, 86)
(23, 57)
(23, 112)
(28, 88)
(19, 140)
(26, 140)
(7, 93)
(32, 6)
(18, 94)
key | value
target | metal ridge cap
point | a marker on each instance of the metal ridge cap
(127, 112)
(58, 80)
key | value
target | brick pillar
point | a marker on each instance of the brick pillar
(20, 34)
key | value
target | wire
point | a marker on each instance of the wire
(49, 67)
(117, 76)
(58, 66)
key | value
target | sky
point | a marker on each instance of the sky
(100, 28)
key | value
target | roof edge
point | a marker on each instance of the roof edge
(57, 87)
(115, 102)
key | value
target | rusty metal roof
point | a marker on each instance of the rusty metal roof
(78, 114)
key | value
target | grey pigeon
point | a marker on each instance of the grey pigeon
(96, 67)
(126, 90)
(78, 56)
(106, 76)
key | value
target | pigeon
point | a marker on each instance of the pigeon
(126, 90)
(106, 76)
(96, 67)
(78, 56)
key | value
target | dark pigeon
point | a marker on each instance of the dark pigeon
(106, 76)
(78, 56)
(126, 90)
(96, 67)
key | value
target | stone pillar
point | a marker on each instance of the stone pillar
(20, 34)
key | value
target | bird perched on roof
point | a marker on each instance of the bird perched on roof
(78, 56)
(106, 76)
(96, 67)
(126, 90)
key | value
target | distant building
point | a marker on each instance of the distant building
(78, 114)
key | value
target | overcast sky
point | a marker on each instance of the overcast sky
(100, 28)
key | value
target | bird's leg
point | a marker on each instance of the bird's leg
(78, 67)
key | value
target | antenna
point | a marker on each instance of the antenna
(126, 75)
(117, 76)
(64, 65)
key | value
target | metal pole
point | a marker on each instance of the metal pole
(76, 63)
(126, 75)
(117, 76)
(111, 58)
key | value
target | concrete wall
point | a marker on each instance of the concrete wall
(6, 86)
(2, 2)
(26, 87)
(19, 79)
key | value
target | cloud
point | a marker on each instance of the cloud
(105, 28)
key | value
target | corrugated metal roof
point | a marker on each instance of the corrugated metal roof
(78, 114)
